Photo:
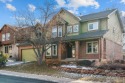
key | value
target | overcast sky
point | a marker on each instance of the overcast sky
(77, 7)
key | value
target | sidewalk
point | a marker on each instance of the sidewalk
(42, 77)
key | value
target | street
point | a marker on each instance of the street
(13, 79)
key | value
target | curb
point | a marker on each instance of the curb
(39, 77)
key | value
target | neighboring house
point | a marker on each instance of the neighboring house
(96, 36)
(7, 38)
(25, 50)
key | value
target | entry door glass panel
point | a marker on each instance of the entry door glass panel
(73, 51)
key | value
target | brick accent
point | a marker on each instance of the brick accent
(84, 55)
(59, 51)
(77, 49)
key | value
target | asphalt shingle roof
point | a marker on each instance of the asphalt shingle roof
(98, 15)
(86, 35)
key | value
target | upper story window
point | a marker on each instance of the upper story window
(71, 29)
(38, 34)
(5, 36)
(75, 28)
(92, 26)
(60, 31)
(54, 31)
(57, 31)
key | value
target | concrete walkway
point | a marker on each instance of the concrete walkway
(42, 77)
(14, 63)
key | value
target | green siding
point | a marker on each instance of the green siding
(70, 19)
(113, 23)
(102, 25)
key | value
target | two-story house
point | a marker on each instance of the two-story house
(8, 43)
(96, 36)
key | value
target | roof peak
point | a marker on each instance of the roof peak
(99, 12)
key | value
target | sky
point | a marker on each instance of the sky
(78, 7)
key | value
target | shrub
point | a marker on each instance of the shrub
(84, 63)
(115, 66)
(120, 61)
(53, 62)
(3, 59)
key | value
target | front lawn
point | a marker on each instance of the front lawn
(33, 68)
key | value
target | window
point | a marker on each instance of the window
(54, 50)
(92, 47)
(3, 37)
(10, 49)
(38, 34)
(69, 29)
(6, 49)
(75, 28)
(60, 31)
(48, 52)
(57, 31)
(7, 36)
(93, 26)
(54, 32)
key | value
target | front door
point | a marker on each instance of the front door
(70, 50)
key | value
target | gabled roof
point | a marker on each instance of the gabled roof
(62, 9)
(14, 28)
(98, 15)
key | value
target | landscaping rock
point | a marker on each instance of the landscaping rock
(114, 73)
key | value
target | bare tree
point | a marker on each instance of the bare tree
(37, 34)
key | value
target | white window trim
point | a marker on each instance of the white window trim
(61, 31)
(52, 50)
(92, 47)
(70, 27)
(7, 36)
(48, 51)
(73, 28)
(3, 37)
(8, 46)
(93, 23)
(55, 27)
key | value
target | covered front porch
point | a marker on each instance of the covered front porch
(92, 49)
